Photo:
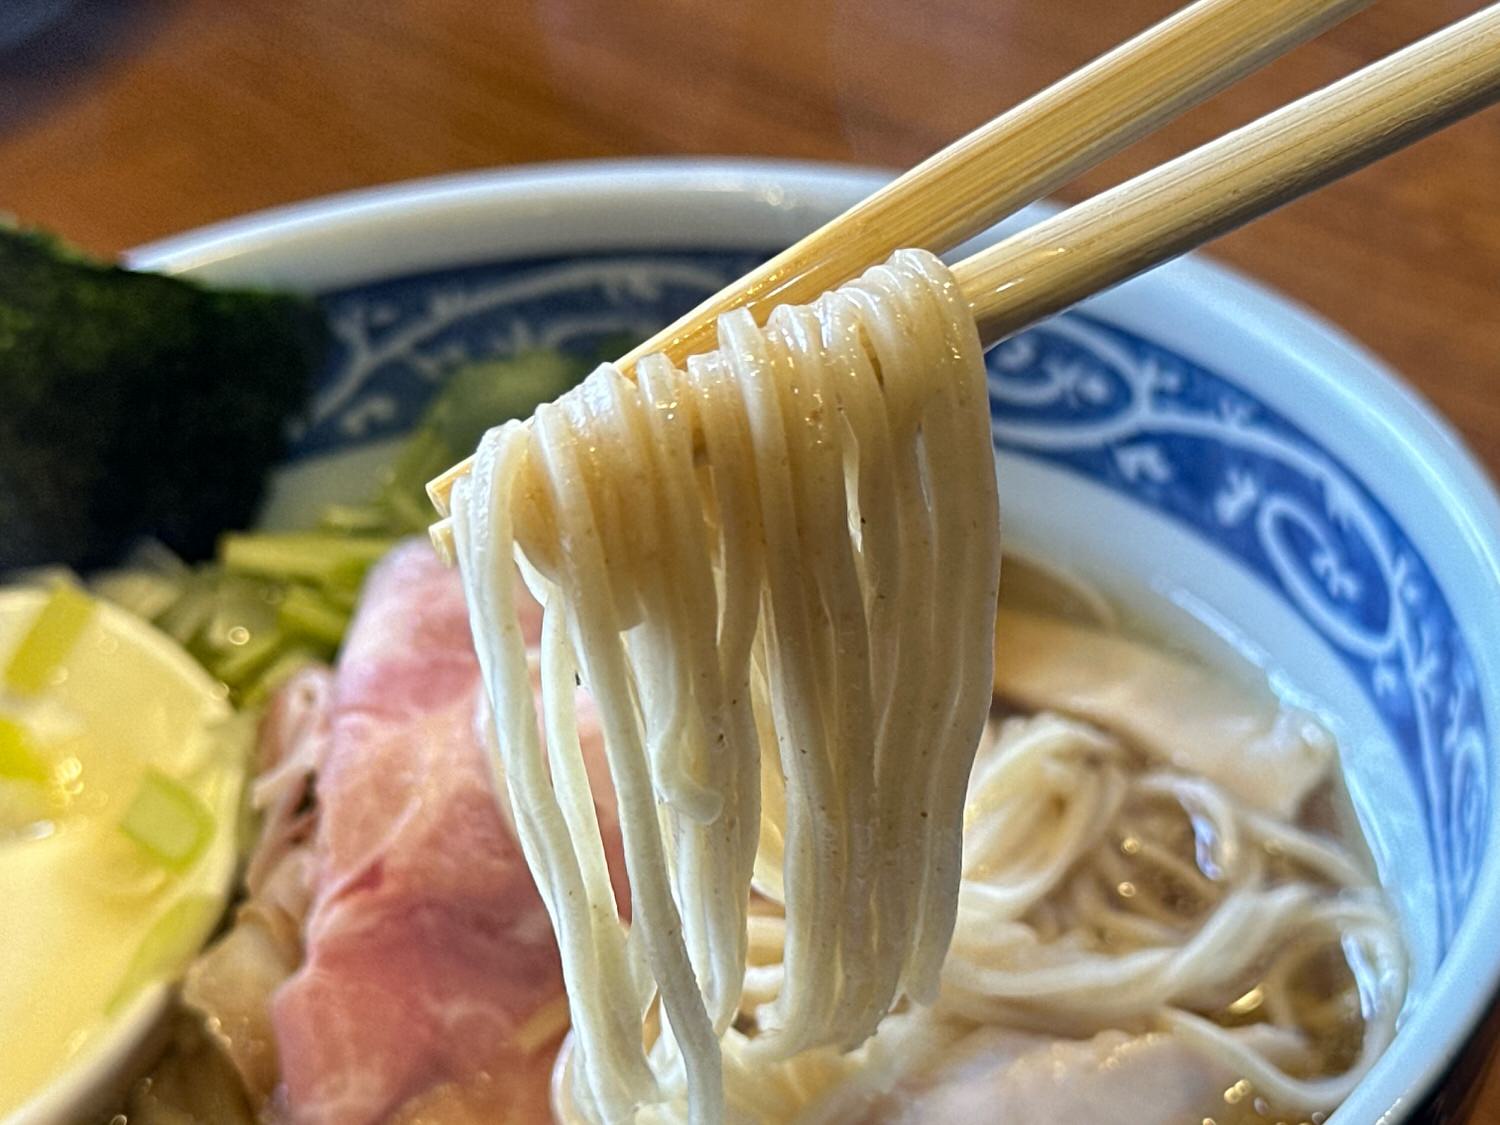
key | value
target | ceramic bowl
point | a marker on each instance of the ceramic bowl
(1188, 433)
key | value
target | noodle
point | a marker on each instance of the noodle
(1131, 961)
(775, 573)
(1041, 948)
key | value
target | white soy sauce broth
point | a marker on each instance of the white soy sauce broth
(1328, 997)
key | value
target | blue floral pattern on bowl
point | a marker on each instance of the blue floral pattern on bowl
(1078, 393)
(396, 339)
(1140, 420)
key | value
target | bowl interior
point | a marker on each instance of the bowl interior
(1251, 467)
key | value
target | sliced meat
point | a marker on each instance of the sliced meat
(1181, 713)
(431, 974)
(233, 981)
(1000, 1075)
(295, 737)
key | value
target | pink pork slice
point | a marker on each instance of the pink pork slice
(431, 976)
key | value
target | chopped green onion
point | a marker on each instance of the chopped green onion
(241, 606)
(353, 519)
(474, 397)
(308, 556)
(344, 597)
(174, 938)
(346, 574)
(282, 669)
(19, 760)
(50, 639)
(144, 593)
(185, 618)
(304, 613)
(169, 821)
(238, 665)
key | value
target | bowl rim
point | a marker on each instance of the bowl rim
(786, 193)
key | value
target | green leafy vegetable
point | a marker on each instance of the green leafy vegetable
(133, 404)
(473, 399)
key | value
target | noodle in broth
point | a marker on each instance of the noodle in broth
(775, 573)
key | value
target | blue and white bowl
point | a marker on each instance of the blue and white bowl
(1188, 432)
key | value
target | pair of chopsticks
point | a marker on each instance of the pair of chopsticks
(1093, 113)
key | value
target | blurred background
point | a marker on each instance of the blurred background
(125, 120)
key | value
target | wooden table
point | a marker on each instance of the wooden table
(131, 120)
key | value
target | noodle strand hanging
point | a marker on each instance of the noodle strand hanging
(775, 574)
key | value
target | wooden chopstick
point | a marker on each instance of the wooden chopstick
(1221, 185)
(1225, 183)
(1021, 155)
(1014, 159)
